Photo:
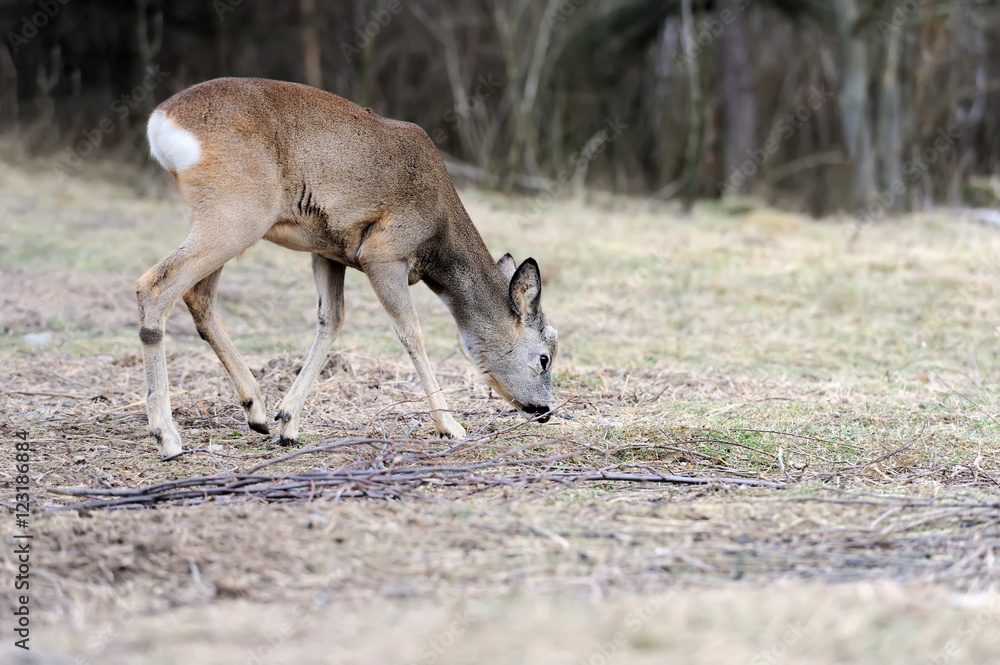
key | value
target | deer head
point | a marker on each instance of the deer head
(517, 359)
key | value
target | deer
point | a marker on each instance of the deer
(313, 172)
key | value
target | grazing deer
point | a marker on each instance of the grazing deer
(315, 173)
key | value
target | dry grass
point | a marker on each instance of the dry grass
(864, 624)
(861, 377)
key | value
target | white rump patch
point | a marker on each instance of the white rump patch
(175, 148)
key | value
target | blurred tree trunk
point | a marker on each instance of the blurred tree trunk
(696, 110)
(890, 123)
(11, 111)
(687, 183)
(739, 111)
(311, 59)
(366, 72)
(148, 46)
(526, 32)
(853, 101)
(667, 74)
(46, 80)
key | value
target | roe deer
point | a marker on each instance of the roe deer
(316, 173)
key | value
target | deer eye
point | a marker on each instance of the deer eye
(544, 359)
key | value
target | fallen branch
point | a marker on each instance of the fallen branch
(381, 482)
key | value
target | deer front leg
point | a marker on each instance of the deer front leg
(329, 277)
(391, 284)
(200, 300)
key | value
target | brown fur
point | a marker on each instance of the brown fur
(313, 172)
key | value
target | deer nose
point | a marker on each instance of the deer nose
(541, 411)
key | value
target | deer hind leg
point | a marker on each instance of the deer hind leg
(205, 251)
(201, 302)
(391, 284)
(329, 277)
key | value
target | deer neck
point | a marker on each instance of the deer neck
(465, 277)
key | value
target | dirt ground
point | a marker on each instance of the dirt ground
(854, 370)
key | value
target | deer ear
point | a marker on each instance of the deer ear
(507, 266)
(526, 291)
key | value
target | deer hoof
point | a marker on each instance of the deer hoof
(169, 442)
(260, 428)
(449, 428)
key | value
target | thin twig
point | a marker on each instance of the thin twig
(320, 449)
(979, 408)
(906, 444)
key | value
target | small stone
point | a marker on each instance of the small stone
(231, 588)
(316, 519)
(215, 447)
(37, 339)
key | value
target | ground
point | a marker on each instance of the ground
(853, 367)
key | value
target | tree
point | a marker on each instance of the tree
(738, 102)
